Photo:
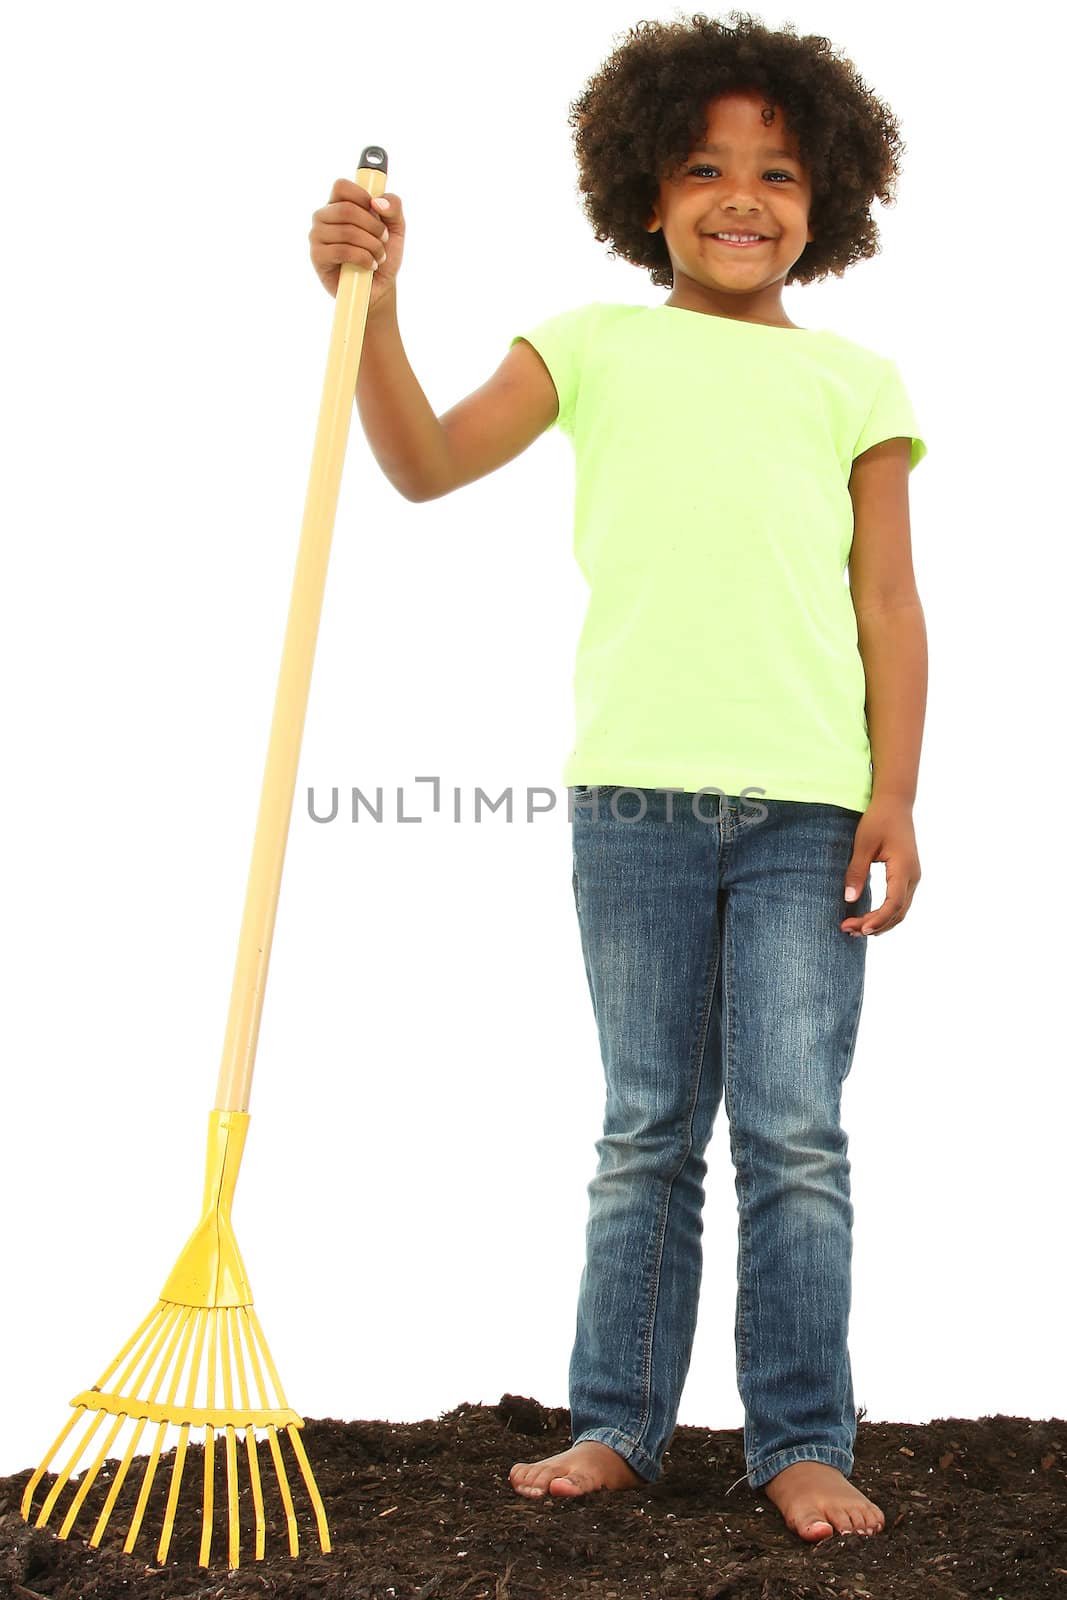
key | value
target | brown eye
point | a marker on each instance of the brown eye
(775, 174)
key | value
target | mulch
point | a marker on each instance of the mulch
(425, 1509)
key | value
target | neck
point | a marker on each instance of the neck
(761, 306)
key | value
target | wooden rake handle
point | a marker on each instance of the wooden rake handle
(294, 677)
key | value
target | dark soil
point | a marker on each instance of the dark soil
(425, 1509)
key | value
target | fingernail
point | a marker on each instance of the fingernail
(850, 893)
(380, 200)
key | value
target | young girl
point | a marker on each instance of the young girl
(748, 724)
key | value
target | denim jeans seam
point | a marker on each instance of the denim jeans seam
(636, 1450)
(739, 1162)
(649, 1333)
(696, 1071)
(830, 1455)
(856, 1014)
(697, 1061)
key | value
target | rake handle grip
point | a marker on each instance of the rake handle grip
(294, 677)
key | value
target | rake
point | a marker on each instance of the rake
(199, 1360)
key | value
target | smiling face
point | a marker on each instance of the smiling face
(744, 176)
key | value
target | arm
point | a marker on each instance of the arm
(405, 436)
(889, 617)
(425, 456)
(891, 633)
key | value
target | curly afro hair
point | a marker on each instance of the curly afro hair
(641, 114)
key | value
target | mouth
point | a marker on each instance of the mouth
(737, 244)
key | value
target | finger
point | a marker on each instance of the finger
(899, 888)
(345, 189)
(349, 211)
(856, 874)
(887, 913)
(862, 922)
(350, 233)
(336, 246)
(871, 920)
(892, 910)
(892, 923)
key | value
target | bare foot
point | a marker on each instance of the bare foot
(579, 1470)
(815, 1499)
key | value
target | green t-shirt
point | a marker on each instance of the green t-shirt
(712, 523)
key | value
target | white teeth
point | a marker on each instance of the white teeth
(738, 238)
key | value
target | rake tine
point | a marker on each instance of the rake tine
(267, 1357)
(209, 1495)
(172, 1497)
(252, 1325)
(283, 1485)
(170, 1329)
(60, 1439)
(231, 1443)
(139, 1341)
(209, 1441)
(183, 1443)
(120, 1479)
(231, 1496)
(127, 1347)
(257, 1492)
(89, 1477)
(152, 1343)
(312, 1488)
(302, 1460)
(146, 1485)
(183, 1329)
(250, 1435)
(61, 1481)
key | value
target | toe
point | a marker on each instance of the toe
(523, 1479)
(570, 1483)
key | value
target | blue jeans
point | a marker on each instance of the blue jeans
(715, 959)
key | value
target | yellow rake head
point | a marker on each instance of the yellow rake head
(201, 1344)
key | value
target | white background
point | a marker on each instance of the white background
(428, 1089)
